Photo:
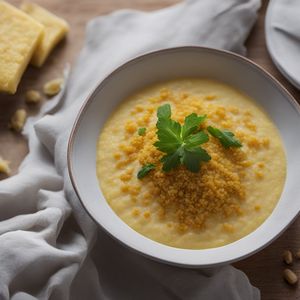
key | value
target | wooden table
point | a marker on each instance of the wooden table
(264, 268)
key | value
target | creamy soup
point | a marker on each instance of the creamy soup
(229, 197)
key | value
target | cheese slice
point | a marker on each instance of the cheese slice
(19, 36)
(55, 30)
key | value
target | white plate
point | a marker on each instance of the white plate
(169, 64)
(282, 43)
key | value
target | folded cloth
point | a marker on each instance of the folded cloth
(47, 241)
(283, 37)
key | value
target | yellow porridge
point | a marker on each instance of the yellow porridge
(191, 163)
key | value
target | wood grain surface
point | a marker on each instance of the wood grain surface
(264, 269)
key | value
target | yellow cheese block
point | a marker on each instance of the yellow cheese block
(55, 30)
(19, 36)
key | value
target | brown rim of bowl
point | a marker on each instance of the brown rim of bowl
(136, 59)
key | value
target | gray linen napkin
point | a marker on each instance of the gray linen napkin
(46, 237)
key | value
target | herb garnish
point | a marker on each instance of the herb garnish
(142, 131)
(181, 143)
(226, 138)
(145, 170)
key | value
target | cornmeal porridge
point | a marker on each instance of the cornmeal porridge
(191, 163)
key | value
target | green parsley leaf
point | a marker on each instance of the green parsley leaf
(192, 157)
(191, 124)
(145, 170)
(226, 138)
(141, 131)
(172, 160)
(196, 139)
(168, 134)
(164, 111)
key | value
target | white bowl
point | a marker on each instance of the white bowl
(169, 64)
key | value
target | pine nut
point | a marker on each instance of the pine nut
(53, 87)
(33, 97)
(18, 120)
(287, 257)
(290, 276)
(4, 166)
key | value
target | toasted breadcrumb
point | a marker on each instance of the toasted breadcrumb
(259, 175)
(228, 227)
(210, 97)
(147, 214)
(257, 207)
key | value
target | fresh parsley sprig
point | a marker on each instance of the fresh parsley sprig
(180, 143)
